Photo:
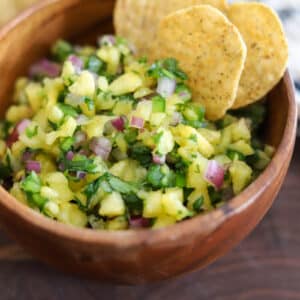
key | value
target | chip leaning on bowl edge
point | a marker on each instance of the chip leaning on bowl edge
(267, 47)
(209, 49)
(138, 20)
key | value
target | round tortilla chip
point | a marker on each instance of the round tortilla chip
(267, 54)
(138, 20)
(210, 49)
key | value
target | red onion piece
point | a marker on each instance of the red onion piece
(101, 147)
(138, 222)
(76, 62)
(118, 123)
(18, 130)
(107, 39)
(159, 159)
(82, 120)
(166, 86)
(33, 165)
(69, 155)
(27, 155)
(46, 68)
(215, 174)
(137, 122)
(80, 174)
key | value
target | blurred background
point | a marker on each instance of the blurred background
(288, 10)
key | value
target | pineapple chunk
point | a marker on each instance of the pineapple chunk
(240, 131)
(59, 183)
(71, 214)
(152, 204)
(196, 170)
(163, 221)
(119, 223)
(127, 83)
(143, 110)
(122, 108)
(242, 147)
(84, 85)
(112, 205)
(166, 142)
(241, 174)
(212, 136)
(188, 136)
(172, 204)
(35, 95)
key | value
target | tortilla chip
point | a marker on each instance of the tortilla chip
(210, 49)
(267, 50)
(138, 20)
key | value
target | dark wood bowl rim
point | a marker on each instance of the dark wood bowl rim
(130, 238)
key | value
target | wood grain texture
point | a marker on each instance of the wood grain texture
(266, 266)
(131, 256)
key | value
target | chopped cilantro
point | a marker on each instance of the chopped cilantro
(32, 183)
(197, 205)
(68, 110)
(31, 132)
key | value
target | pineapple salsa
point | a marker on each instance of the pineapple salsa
(101, 139)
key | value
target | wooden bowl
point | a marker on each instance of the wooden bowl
(131, 256)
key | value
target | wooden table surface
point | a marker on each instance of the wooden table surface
(264, 266)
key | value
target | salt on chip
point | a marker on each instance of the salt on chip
(267, 46)
(138, 20)
(210, 49)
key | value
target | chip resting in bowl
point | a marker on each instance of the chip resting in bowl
(210, 50)
(267, 47)
(138, 20)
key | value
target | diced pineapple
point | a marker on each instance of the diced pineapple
(52, 87)
(35, 95)
(240, 174)
(242, 147)
(68, 71)
(58, 182)
(112, 56)
(49, 193)
(121, 143)
(104, 102)
(163, 221)
(16, 192)
(112, 205)
(129, 170)
(55, 114)
(84, 85)
(127, 83)
(188, 136)
(166, 142)
(122, 108)
(152, 204)
(16, 113)
(143, 110)
(172, 204)
(200, 191)
(212, 136)
(51, 209)
(102, 83)
(70, 214)
(222, 159)
(119, 223)
(196, 172)
(95, 126)
(240, 131)
(67, 129)
(157, 118)
(142, 92)
(269, 150)
(226, 138)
